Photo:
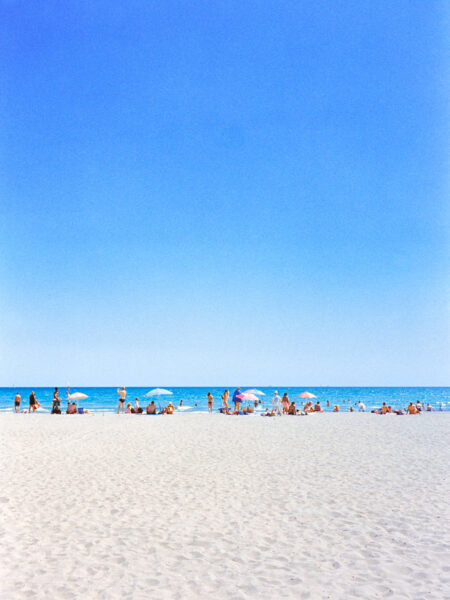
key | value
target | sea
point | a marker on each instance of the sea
(105, 399)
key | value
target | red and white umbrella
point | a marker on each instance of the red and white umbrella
(249, 397)
(307, 395)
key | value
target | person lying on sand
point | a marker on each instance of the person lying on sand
(269, 413)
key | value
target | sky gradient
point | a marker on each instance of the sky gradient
(199, 193)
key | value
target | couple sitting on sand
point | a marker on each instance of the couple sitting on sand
(151, 409)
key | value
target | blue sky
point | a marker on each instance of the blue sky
(199, 193)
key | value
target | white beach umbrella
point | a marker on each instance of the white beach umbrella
(77, 396)
(158, 392)
(307, 395)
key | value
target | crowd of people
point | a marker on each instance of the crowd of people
(241, 405)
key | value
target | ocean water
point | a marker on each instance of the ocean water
(106, 398)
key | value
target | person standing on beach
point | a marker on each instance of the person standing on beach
(122, 395)
(210, 402)
(225, 397)
(236, 400)
(33, 402)
(285, 403)
(276, 401)
(17, 400)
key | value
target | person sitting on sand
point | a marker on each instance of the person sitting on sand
(429, 407)
(151, 408)
(419, 406)
(250, 408)
(350, 409)
(128, 411)
(384, 408)
(285, 403)
(292, 410)
(169, 409)
(336, 408)
(317, 407)
(361, 406)
(122, 394)
(210, 402)
(412, 409)
(71, 408)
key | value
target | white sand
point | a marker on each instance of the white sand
(197, 506)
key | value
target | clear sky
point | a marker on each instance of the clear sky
(218, 192)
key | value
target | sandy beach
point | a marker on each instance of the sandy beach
(196, 506)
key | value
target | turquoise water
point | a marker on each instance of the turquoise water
(195, 397)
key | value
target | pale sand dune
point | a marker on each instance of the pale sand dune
(196, 506)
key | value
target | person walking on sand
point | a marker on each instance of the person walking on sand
(276, 402)
(122, 395)
(17, 400)
(225, 397)
(210, 402)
